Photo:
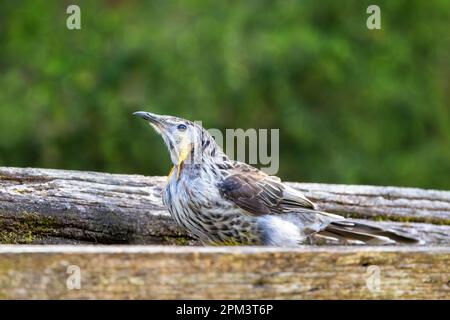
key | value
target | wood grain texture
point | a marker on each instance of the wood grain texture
(58, 206)
(165, 272)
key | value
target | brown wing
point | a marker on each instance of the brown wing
(259, 193)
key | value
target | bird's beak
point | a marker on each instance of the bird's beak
(155, 120)
(151, 117)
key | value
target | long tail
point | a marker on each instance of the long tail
(351, 231)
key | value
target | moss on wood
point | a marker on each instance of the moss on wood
(27, 228)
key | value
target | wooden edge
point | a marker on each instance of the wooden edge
(152, 249)
(165, 272)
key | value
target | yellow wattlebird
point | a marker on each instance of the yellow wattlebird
(219, 200)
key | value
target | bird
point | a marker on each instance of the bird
(220, 201)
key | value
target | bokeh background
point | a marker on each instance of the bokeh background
(352, 105)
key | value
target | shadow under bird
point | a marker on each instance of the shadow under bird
(221, 201)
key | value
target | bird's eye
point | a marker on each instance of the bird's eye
(182, 127)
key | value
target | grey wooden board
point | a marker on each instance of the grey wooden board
(169, 272)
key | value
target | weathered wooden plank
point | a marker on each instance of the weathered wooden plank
(165, 272)
(395, 203)
(58, 206)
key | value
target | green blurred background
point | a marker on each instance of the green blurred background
(353, 105)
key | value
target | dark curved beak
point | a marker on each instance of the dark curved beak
(151, 117)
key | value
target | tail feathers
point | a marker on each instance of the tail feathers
(351, 231)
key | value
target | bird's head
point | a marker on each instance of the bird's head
(186, 140)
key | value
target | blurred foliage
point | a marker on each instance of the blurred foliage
(353, 105)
